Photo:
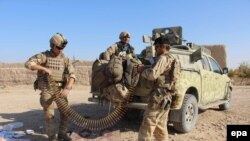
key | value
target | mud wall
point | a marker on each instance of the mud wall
(17, 74)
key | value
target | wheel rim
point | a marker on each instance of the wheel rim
(190, 113)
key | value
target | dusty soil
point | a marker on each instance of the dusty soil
(21, 103)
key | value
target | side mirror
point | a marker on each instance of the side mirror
(225, 70)
(146, 39)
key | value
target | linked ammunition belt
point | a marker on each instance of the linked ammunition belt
(81, 121)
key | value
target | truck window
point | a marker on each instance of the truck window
(205, 64)
(215, 67)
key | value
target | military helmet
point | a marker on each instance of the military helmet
(58, 40)
(124, 34)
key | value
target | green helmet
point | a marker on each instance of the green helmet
(58, 40)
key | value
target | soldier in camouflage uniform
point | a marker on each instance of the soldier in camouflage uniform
(53, 62)
(121, 48)
(156, 115)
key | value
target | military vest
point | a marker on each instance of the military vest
(56, 65)
(124, 50)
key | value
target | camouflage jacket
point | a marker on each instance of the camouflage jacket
(161, 72)
(118, 49)
(43, 58)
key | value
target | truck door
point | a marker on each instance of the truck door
(219, 83)
(207, 82)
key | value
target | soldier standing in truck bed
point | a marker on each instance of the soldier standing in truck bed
(122, 48)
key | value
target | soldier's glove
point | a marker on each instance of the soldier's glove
(165, 104)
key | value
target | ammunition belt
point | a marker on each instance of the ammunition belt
(79, 120)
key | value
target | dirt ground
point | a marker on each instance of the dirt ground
(21, 103)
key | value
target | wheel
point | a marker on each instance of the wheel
(188, 114)
(226, 105)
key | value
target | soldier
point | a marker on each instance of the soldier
(156, 115)
(53, 62)
(121, 48)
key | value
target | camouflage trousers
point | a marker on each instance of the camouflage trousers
(49, 105)
(154, 124)
(155, 118)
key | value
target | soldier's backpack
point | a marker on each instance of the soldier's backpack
(114, 69)
(98, 79)
(131, 76)
(117, 70)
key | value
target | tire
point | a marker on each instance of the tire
(188, 114)
(227, 105)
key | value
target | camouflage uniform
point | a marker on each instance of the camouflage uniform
(155, 116)
(62, 69)
(119, 49)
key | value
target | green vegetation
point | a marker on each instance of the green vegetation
(232, 73)
(243, 72)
